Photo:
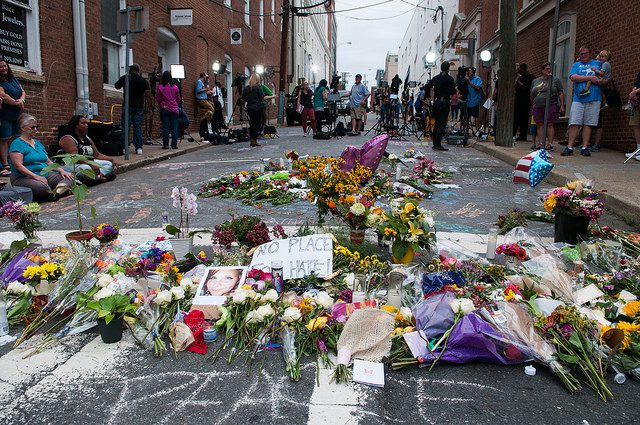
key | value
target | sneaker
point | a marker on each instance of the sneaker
(630, 154)
(304, 134)
(139, 151)
(584, 92)
(533, 147)
(585, 152)
(567, 152)
(550, 148)
(594, 148)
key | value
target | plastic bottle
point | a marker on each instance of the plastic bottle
(492, 241)
(165, 219)
(4, 323)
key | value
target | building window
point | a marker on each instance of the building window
(20, 34)
(112, 45)
(247, 12)
(273, 11)
(527, 3)
(565, 53)
(261, 19)
(227, 3)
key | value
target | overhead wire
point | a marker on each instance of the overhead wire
(221, 3)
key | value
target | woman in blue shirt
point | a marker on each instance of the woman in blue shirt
(12, 100)
(27, 158)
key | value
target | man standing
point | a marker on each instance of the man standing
(443, 87)
(359, 95)
(202, 96)
(585, 108)
(395, 84)
(522, 102)
(474, 98)
(138, 91)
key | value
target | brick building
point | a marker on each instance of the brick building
(41, 40)
(596, 24)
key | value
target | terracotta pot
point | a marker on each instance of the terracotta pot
(357, 236)
(79, 236)
(407, 258)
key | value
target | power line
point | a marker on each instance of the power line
(221, 3)
(377, 19)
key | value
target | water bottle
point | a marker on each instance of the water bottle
(165, 220)
(4, 323)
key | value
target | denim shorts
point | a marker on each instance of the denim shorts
(9, 129)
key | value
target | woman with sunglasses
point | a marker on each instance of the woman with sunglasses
(27, 159)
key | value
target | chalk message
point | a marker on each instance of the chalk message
(299, 256)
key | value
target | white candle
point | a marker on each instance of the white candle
(394, 298)
(491, 243)
(398, 172)
(358, 296)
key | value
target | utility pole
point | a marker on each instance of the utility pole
(506, 73)
(286, 8)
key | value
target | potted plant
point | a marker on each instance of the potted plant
(408, 228)
(182, 241)
(574, 205)
(78, 188)
(24, 217)
(354, 211)
(111, 309)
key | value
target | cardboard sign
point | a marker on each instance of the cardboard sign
(368, 373)
(299, 256)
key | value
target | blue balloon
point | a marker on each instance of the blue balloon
(540, 168)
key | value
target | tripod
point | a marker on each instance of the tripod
(464, 123)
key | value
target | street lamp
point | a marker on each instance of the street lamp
(259, 69)
(485, 57)
(216, 67)
(430, 59)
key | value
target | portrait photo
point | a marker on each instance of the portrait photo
(218, 283)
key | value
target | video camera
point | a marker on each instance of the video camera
(335, 81)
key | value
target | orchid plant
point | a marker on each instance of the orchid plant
(186, 203)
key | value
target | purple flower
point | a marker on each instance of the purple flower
(609, 287)
(346, 295)
(618, 276)
(322, 346)
(566, 330)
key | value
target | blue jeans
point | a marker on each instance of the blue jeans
(169, 125)
(136, 115)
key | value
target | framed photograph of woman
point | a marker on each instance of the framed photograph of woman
(218, 283)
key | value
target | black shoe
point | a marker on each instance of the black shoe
(110, 177)
(439, 148)
(585, 152)
(174, 147)
(165, 147)
(567, 152)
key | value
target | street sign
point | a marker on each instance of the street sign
(181, 17)
(236, 35)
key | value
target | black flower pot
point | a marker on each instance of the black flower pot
(111, 332)
(570, 228)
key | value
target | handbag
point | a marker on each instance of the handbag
(612, 95)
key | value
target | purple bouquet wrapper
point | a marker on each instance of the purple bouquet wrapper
(369, 155)
(14, 269)
(474, 340)
(434, 315)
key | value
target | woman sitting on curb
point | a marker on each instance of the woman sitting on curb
(76, 141)
(27, 159)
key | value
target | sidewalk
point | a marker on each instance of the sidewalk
(617, 182)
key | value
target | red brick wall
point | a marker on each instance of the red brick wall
(51, 97)
(613, 30)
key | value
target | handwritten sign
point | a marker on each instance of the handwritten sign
(299, 256)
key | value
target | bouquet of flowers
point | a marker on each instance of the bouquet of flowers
(413, 153)
(425, 171)
(245, 230)
(185, 202)
(512, 250)
(576, 341)
(576, 198)
(105, 233)
(407, 226)
(47, 271)
(513, 218)
(353, 210)
(23, 216)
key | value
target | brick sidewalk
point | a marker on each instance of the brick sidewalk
(617, 182)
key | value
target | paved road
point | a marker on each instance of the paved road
(85, 381)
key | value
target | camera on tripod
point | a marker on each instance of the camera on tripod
(335, 82)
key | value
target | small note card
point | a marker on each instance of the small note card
(368, 373)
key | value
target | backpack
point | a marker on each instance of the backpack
(322, 135)
(340, 130)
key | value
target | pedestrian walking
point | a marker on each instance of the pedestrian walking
(138, 91)
(305, 106)
(168, 98)
(585, 107)
(12, 98)
(444, 87)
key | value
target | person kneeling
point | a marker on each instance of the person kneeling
(76, 141)
(210, 131)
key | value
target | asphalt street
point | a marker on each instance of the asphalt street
(85, 381)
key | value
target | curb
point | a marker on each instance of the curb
(160, 157)
(628, 211)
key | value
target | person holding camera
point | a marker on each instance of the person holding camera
(443, 87)
(474, 97)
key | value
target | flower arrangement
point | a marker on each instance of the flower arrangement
(413, 153)
(23, 216)
(348, 261)
(407, 226)
(513, 218)
(328, 183)
(425, 171)
(576, 341)
(252, 189)
(105, 233)
(512, 250)
(352, 210)
(576, 198)
(246, 230)
(186, 203)
(47, 271)
(292, 155)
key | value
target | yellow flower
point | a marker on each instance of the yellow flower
(246, 287)
(631, 308)
(317, 323)
(408, 207)
(415, 230)
(350, 199)
(389, 308)
(550, 203)
(572, 185)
